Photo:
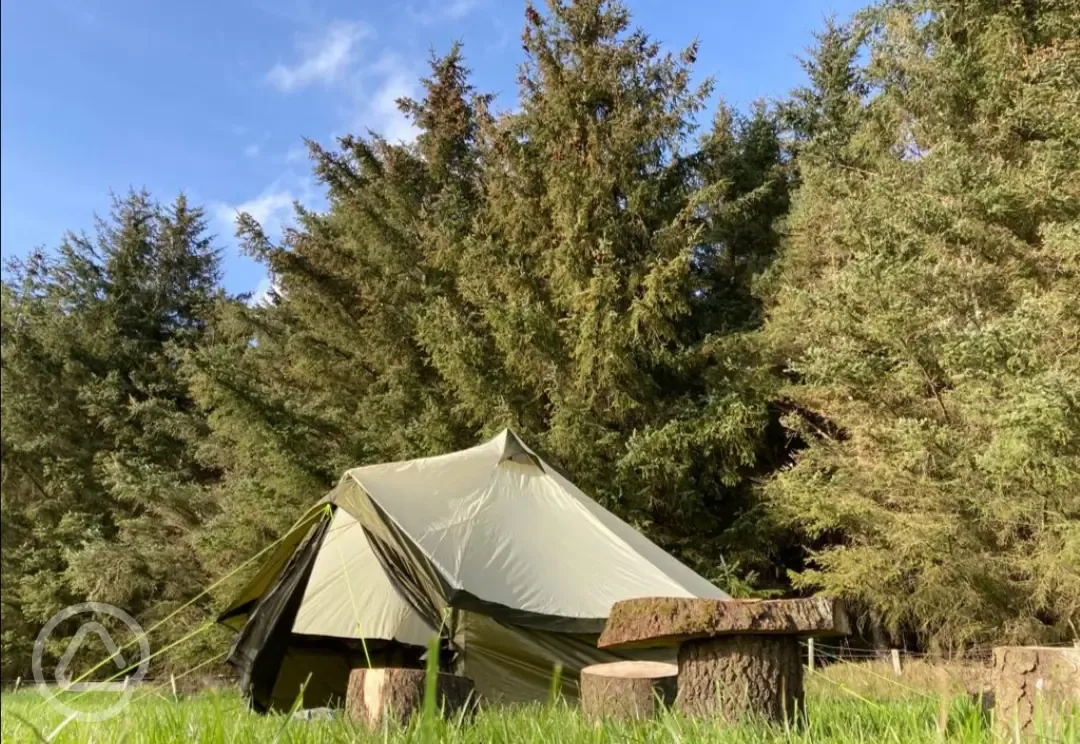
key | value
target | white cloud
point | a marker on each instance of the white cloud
(459, 8)
(454, 10)
(261, 295)
(252, 150)
(271, 209)
(324, 58)
(367, 86)
(379, 111)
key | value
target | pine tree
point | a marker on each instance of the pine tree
(927, 307)
(749, 178)
(596, 265)
(101, 492)
(825, 113)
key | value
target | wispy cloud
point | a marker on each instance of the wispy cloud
(252, 150)
(378, 110)
(366, 82)
(454, 10)
(297, 153)
(502, 38)
(264, 291)
(324, 57)
(271, 209)
(459, 8)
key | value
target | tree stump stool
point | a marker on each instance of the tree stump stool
(628, 690)
(737, 658)
(1030, 684)
(379, 696)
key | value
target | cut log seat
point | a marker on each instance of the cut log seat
(376, 697)
(737, 658)
(628, 689)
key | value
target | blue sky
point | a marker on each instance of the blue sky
(212, 98)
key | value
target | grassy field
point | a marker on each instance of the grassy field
(848, 703)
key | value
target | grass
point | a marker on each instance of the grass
(847, 704)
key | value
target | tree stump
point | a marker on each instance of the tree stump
(1032, 683)
(628, 690)
(737, 658)
(391, 695)
(731, 676)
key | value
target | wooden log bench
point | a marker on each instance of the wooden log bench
(736, 658)
(627, 690)
(377, 697)
(1033, 684)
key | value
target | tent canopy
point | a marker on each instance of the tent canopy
(489, 547)
(500, 524)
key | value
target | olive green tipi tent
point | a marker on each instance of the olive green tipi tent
(490, 549)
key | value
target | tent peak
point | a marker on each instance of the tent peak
(512, 448)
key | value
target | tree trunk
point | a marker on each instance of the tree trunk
(378, 696)
(735, 677)
(1033, 684)
(628, 690)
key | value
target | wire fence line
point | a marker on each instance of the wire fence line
(861, 653)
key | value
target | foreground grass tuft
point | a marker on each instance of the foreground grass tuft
(838, 712)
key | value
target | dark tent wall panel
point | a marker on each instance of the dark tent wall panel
(260, 649)
(518, 664)
(238, 612)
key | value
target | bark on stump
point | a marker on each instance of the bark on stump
(628, 690)
(737, 658)
(1031, 684)
(739, 676)
(391, 695)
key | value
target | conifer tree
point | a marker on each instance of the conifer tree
(101, 491)
(825, 113)
(596, 265)
(927, 309)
